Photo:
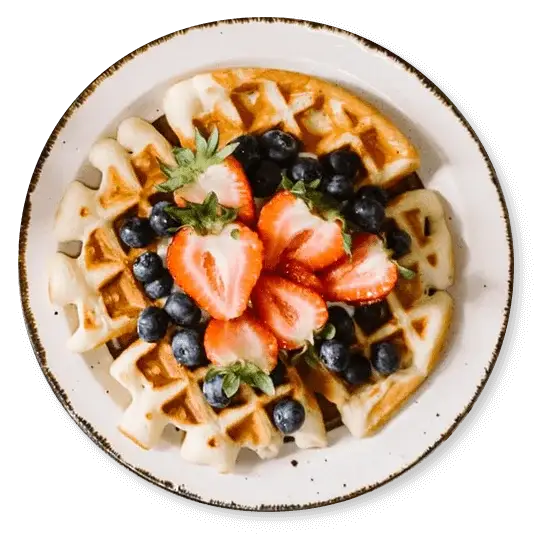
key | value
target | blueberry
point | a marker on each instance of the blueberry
(248, 152)
(279, 146)
(342, 322)
(367, 214)
(373, 193)
(160, 287)
(182, 310)
(278, 374)
(147, 267)
(161, 221)
(288, 415)
(385, 357)
(373, 316)
(305, 169)
(214, 393)
(343, 162)
(152, 324)
(338, 186)
(335, 355)
(358, 370)
(398, 241)
(136, 232)
(188, 349)
(265, 179)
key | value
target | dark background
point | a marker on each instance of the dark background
(492, 477)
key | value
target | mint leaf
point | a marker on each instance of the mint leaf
(260, 380)
(231, 384)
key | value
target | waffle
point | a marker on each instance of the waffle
(99, 283)
(108, 300)
(418, 316)
(322, 115)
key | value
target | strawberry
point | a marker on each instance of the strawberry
(209, 170)
(300, 274)
(213, 258)
(368, 275)
(241, 340)
(292, 312)
(300, 224)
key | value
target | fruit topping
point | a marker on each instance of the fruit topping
(213, 390)
(207, 170)
(147, 267)
(182, 310)
(369, 274)
(299, 224)
(358, 370)
(152, 324)
(214, 259)
(161, 221)
(288, 415)
(398, 241)
(300, 274)
(340, 319)
(136, 232)
(343, 162)
(306, 169)
(160, 287)
(373, 193)
(372, 316)
(335, 355)
(265, 179)
(366, 213)
(279, 146)
(244, 339)
(247, 152)
(188, 349)
(385, 357)
(338, 186)
(292, 312)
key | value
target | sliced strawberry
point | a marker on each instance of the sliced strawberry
(368, 275)
(289, 230)
(243, 339)
(229, 182)
(300, 274)
(219, 270)
(206, 170)
(290, 311)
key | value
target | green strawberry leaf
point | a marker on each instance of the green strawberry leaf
(234, 234)
(328, 332)
(206, 218)
(406, 273)
(192, 164)
(231, 384)
(347, 242)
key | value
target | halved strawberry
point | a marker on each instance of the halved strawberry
(368, 275)
(300, 274)
(213, 259)
(208, 170)
(290, 230)
(290, 311)
(243, 339)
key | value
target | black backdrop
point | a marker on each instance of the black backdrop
(491, 477)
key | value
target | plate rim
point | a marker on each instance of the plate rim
(40, 352)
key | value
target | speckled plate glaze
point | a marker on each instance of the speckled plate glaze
(454, 163)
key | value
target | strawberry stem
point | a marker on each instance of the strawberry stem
(192, 164)
(208, 218)
(241, 372)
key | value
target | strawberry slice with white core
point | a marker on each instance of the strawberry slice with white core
(292, 312)
(243, 339)
(368, 275)
(214, 259)
(290, 231)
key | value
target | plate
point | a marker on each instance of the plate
(454, 163)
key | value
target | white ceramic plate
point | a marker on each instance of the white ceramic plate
(454, 163)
